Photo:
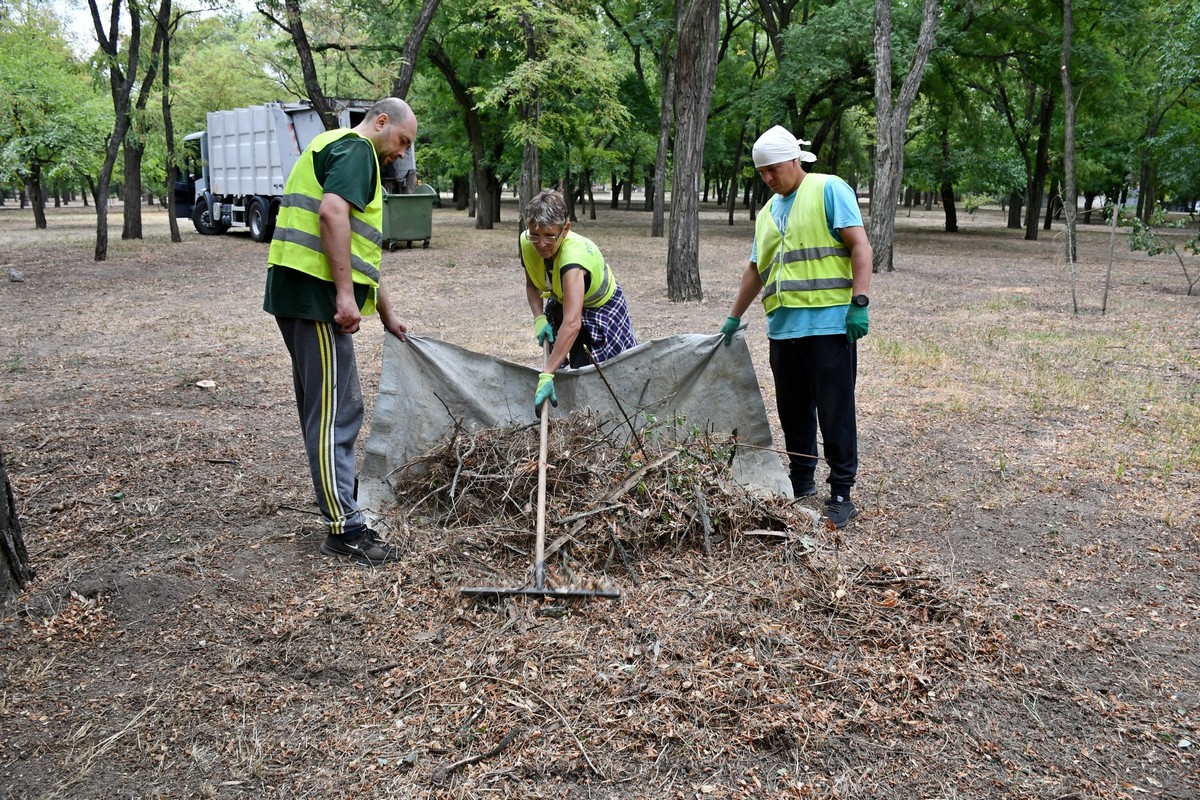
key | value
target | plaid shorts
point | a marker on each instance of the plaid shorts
(607, 330)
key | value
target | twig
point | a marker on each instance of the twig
(462, 460)
(612, 531)
(440, 773)
(616, 400)
(633, 480)
(585, 514)
(497, 679)
(705, 522)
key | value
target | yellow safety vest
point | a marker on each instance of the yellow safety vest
(575, 249)
(296, 242)
(806, 267)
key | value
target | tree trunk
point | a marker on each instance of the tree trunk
(1016, 202)
(695, 73)
(121, 83)
(948, 207)
(168, 122)
(531, 167)
(15, 573)
(131, 190)
(487, 186)
(1053, 204)
(1145, 201)
(1070, 203)
(657, 201)
(568, 186)
(135, 144)
(735, 173)
(412, 47)
(1041, 167)
(36, 197)
(312, 84)
(891, 121)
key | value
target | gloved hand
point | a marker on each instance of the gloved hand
(730, 327)
(545, 390)
(856, 323)
(542, 329)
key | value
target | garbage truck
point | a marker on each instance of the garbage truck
(235, 170)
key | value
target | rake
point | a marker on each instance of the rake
(539, 588)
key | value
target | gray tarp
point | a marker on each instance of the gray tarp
(692, 377)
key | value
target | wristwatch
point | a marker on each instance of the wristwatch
(860, 300)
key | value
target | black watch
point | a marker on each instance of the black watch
(860, 300)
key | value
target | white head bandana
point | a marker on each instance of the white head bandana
(777, 145)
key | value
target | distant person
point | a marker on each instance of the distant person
(572, 293)
(812, 255)
(322, 279)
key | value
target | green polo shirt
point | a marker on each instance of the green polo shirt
(345, 168)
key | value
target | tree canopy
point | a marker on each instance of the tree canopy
(580, 85)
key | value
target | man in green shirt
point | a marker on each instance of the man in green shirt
(322, 279)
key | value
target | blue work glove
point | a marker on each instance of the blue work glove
(856, 323)
(730, 327)
(542, 329)
(545, 390)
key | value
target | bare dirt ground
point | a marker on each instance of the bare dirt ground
(1014, 614)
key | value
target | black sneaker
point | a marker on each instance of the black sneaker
(364, 547)
(804, 488)
(839, 511)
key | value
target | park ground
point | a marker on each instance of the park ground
(1014, 614)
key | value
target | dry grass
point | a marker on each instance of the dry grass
(1013, 615)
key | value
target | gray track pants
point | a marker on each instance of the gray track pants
(330, 403)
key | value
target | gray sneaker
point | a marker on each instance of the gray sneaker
(364, 547)
(839, 511)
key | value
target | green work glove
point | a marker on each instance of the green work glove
(730, 327)
(545, 390)
(856, 323)
(542, 329)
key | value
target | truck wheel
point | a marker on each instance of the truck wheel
(256, 220)
(203, 220)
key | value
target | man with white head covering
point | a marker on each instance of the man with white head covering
(811, 260)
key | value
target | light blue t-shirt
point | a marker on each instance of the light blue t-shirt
(841, 211)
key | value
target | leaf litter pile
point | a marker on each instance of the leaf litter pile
(751, 647)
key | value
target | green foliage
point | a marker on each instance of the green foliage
(1156, 238)
(220, 63)
(596, 73)
(53, 121)
(973, 202)
(572, 79)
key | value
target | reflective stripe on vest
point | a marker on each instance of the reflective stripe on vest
(575, 249)
(806, 267)
(296, 242)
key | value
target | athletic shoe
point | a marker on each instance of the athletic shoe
(364, 547)
(839, 511)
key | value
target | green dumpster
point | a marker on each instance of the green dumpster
(408, 217)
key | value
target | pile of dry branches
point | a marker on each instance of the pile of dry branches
(606, 489)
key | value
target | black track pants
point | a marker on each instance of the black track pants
(814, 386)
(330, 403)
